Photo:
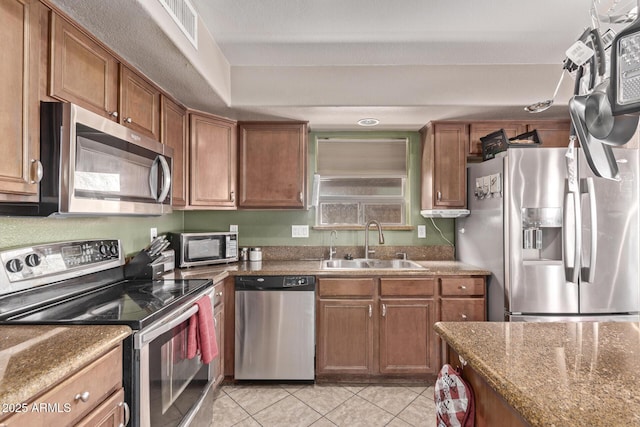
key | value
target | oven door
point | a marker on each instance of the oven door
(172, 387)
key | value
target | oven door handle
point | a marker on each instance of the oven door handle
(147, 337)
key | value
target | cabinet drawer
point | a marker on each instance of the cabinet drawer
(218, 294)
(466, 286)
(60, 407)
(112, 412)
(462, 309)
(358, 287)
(408, 287)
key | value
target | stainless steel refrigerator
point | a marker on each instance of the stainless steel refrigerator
(558, 249)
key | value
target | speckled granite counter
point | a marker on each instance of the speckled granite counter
(33, 358)
(313, 267)
(556, 374)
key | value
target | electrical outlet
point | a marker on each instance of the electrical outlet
(153, 233)
(300, 231)
(233, 228)
(422, 232)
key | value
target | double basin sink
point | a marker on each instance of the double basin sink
(370, 264)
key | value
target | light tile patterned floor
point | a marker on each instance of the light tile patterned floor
(323, 405)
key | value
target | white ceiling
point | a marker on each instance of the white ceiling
(331, 62)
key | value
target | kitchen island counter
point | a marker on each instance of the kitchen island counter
(33, 358)
(554, 374)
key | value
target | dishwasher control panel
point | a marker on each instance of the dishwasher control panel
(274, 283)
(291, 281)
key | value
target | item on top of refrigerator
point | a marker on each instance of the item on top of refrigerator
(493, 144)
(527, 139)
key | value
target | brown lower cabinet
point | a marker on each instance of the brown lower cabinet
(379, 327)
(490, 408)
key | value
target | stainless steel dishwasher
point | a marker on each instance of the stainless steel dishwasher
(275, 328)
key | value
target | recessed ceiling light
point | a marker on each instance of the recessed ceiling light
(368, 122)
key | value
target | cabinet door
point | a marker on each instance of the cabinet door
(173, 131)
(552, 133)
(344, 337)
(81, 71)
(463, 309)
(19, 123)
(110, 413)
(139, 103)
(273, 165)
(450, 166)
(480, 129)
(218, 362)
(406, 341)
(212, 163)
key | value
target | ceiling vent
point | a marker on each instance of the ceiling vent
(185, 16)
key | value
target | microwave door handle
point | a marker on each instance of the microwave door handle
(166, 179)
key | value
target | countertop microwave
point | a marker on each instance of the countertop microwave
(91, 165)
(202, 248)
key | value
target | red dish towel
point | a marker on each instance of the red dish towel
(202, 332)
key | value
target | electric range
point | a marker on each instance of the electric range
(83, 282)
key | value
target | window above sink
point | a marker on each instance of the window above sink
(361, 179)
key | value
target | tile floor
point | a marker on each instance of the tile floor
(323, 405)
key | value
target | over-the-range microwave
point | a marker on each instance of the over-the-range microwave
(212, 247)
(91, 165)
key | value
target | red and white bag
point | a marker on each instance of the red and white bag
(454, 400)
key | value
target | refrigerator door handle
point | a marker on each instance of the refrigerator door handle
(572, 251)
(588, 187)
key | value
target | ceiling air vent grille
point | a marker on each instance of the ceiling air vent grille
(185, 16)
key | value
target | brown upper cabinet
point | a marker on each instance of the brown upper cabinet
(83, 72)
(552, 133)
(273, 164)
(173, 132)
(19, 121)
(444, 165)
(139, 103)
(213, 160)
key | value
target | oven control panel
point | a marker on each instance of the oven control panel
(59, 259)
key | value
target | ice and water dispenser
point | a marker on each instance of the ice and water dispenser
(542, 234)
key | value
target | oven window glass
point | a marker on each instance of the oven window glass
(204, 248)
(175, 381)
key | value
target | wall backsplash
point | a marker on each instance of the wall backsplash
(132, 231)
(256, 228)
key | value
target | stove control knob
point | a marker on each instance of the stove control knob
(14, 265)
(33, 260)
(113, 250)
(104, 250)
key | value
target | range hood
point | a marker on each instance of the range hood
(444, 213)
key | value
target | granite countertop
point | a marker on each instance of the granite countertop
(34, 358)
(313, 267)
(556, 374)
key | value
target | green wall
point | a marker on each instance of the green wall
(132, 231)
(257, 228)
(273, 228)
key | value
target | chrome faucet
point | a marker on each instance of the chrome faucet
(366, 237)
(332, 250)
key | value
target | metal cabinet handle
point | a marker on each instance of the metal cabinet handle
(463, 287)
(36, 170)
(113, 114)
(127, 414)
(439, 195)
(384, 310)
(232, 196)
(219, 294)
(84, 396)
(128, 120)
(370, 310)
(464, 316)
(301, 196)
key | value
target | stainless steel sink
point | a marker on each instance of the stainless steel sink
(363, 264)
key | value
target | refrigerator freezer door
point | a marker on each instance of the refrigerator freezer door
(536, 282)
(480, 236)
(611, 245)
